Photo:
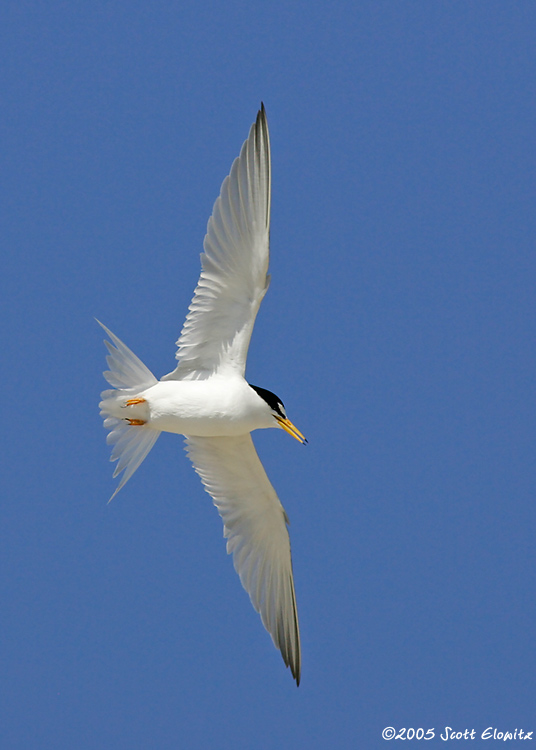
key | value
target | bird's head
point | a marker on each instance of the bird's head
(278, 412)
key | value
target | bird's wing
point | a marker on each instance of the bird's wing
(234, 277)
(255, 528)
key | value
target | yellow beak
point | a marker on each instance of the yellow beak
(287, 425)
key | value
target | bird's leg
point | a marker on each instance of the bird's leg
(134, 402)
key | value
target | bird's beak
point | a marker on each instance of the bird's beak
(287, 425)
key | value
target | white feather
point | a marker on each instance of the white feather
(255, 525)
(128, 376)
(234, 277)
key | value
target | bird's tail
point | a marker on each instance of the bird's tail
(128, 376)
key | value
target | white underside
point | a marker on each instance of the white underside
(217, 407)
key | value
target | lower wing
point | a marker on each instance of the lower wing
(255, 525)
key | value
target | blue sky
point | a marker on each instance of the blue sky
(399, 330)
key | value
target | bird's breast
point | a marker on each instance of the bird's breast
(216, 407)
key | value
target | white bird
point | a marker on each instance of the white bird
(207, 399)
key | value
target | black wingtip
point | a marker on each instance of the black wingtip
(295, 668)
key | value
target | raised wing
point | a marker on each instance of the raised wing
(234, 276)
(255, 528)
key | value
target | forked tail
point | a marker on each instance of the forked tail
(128, 376)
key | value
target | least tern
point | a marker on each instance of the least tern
(207, 399)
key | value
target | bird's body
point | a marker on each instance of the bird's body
(207, 399)
(217, 407)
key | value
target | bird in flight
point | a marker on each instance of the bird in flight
(207, 399)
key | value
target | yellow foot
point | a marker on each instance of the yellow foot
(136, 422)
(134, 401)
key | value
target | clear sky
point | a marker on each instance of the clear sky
(399, 330)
